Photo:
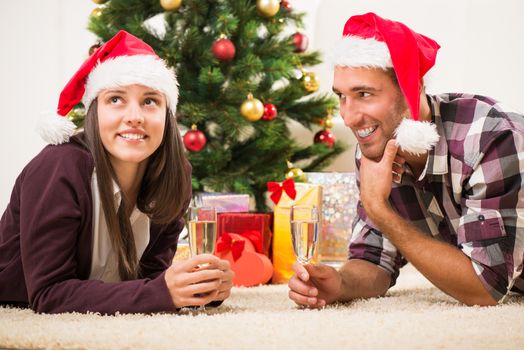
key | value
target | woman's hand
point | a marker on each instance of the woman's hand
(199, 280)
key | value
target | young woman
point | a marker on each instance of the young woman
(93, 220)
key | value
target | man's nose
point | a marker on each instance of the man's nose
(349, 113)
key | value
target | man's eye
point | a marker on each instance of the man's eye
(364, 94)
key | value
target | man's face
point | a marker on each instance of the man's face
(371, 104)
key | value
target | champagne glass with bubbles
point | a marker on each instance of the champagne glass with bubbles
(304, 231)
(202, 230)
(202, 227)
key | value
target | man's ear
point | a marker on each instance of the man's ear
(422, 88)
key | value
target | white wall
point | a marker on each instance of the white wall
(44, 42)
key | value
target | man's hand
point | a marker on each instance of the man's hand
(314, 286)
(376, 177)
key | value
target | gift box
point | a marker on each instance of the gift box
(339, 206)
(243, 222)
(250, 266)
(223, 202)
(283, 255)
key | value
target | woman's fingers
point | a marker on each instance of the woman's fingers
(199, 276)
(198, 300)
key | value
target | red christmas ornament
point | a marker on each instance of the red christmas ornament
(270, 112)
(223, 49)
(285, 4)
(325, 136)
(194, 139)
(301, 41)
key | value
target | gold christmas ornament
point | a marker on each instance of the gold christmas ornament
(328, 122)
(295, 173)
(310, 81)
(268, 8)
(170, 5)
(99, 2)
(252, 109)
(97, 12)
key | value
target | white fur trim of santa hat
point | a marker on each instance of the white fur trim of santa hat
(353, 51)
(147, 70)
(416, 137)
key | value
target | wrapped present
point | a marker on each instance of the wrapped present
(242, 222)
(224, 202)
(339, 205)
(286, 195)
(182, 251)
(251, 267)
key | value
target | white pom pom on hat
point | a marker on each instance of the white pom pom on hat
(121, 61)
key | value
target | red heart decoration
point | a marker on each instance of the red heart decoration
(251, 268)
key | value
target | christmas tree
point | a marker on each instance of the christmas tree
(243, 76)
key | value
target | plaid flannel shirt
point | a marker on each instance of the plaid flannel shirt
(470, 193)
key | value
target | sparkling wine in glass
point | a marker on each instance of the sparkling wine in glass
(202, 227)
(304, 231)
(202, 230)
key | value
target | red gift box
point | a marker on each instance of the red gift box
(242, 222)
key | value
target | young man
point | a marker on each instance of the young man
(440, 177)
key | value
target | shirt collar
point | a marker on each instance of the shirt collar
(437, 160)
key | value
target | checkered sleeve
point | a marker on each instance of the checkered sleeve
(491, 228)
(367, 243)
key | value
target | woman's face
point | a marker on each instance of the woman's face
(131, 121)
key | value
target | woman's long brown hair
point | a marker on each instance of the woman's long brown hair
(164, 192)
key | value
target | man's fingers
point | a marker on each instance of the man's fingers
(390, 152)
(399, 160)
(300, 271)
(310, 302)
(302, 288)
(302, 299)
(318, 271)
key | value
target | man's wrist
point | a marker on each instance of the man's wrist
(375, 208)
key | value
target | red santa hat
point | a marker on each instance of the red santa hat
(374, 42)
(123, 60)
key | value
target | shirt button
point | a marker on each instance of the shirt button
(481, 217)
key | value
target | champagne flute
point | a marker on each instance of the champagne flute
(304, 231)
(202, 230)
(202, 233)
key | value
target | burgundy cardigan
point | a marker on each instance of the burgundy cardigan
(46, 243)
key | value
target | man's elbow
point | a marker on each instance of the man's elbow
(480, 300)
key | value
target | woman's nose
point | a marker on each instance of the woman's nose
(134, 115)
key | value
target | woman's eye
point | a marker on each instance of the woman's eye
(114, 99)
(149, 101)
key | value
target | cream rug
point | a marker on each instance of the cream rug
(413, 315)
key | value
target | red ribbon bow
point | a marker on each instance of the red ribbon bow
(276, 189)
(226, 242)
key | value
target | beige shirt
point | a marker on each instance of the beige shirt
(104, 264)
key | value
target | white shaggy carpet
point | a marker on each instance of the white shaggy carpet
(413, 315)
